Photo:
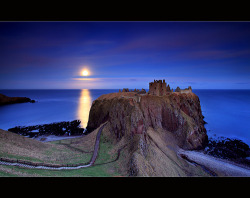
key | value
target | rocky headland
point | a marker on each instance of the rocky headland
(161, 132)
(4, 100)
(129, 113)
(155, 133)
(151, 129)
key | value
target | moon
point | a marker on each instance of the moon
(85, 72)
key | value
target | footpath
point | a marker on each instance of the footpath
(27, 164)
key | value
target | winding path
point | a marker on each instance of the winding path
(52, 167)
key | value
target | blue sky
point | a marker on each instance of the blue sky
(51, 55)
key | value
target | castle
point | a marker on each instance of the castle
(160, 88)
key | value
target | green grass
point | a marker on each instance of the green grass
(19, 157)
(4, 174)
(67, 156)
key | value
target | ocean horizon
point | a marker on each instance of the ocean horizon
(226, 111)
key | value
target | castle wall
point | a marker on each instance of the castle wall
(186, 91)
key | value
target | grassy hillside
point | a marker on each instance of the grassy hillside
(70, 151)
(156, 157)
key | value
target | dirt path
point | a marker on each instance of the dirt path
(97, 142)
(27, 164)
(219, 166)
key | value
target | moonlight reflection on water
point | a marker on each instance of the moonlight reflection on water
(85, 101)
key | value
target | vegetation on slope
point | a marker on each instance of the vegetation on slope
(68, 151)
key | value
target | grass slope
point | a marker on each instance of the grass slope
(69, 151)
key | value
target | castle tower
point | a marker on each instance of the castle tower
(158, 88)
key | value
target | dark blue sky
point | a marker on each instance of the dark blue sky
(51, 55)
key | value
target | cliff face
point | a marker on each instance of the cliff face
(151, 129)
(129, 114)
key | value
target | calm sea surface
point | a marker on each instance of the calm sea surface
(227, 112)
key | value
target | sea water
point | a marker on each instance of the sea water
(227, 112)
(51, 106)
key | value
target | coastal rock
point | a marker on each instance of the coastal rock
(227, 148)
(155, 128)
(177, 113)
(56, 128)
(12, 100)
(151, 129)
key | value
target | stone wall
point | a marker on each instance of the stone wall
(187, 90)
(158, 88)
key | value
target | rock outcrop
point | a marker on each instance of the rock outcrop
(153, 127)
(12, 100)
(56, 128)
(177, 113)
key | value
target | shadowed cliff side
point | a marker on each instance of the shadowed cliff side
(153, 128)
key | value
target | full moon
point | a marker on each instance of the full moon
(85, 73)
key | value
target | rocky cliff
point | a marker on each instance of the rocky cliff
(151, 126)
(129, 113)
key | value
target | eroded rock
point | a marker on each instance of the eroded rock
(177, 113)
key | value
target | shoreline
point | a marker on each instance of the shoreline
(60, 129)
(220, 166)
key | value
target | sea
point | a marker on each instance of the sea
(227, 112)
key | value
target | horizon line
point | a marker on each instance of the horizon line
(117, 88)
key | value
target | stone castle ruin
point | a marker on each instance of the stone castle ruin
(160, 88)
(142, 91)
(186, 90)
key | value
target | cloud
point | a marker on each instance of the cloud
(215, 54)
(87, 79)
